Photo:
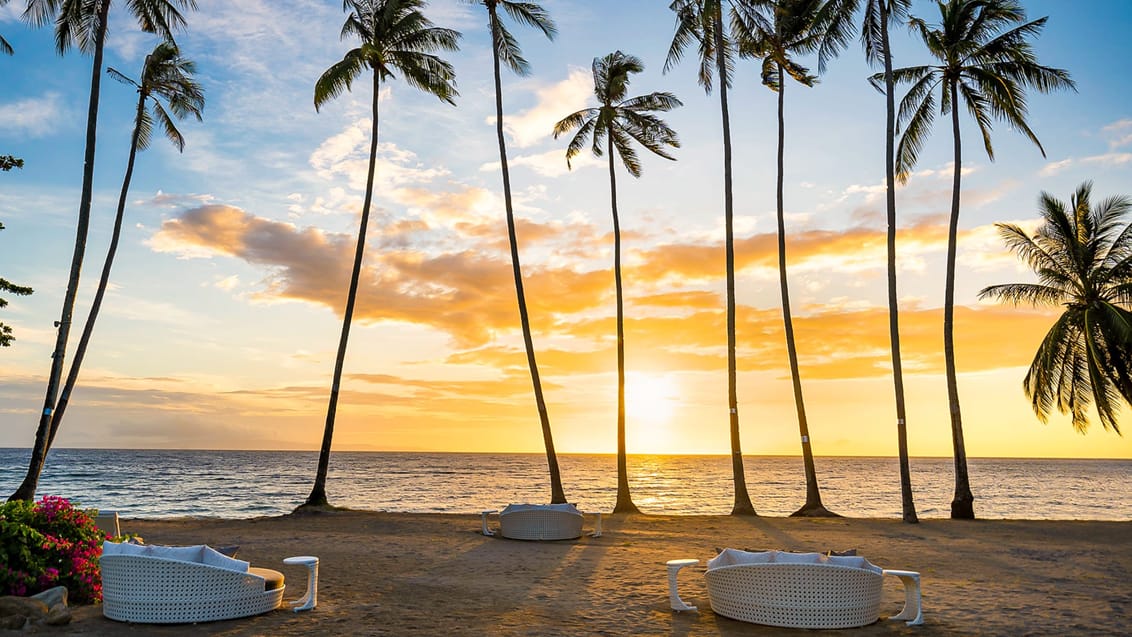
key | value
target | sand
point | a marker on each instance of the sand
(434, 574)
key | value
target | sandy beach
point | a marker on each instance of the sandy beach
(435, 574)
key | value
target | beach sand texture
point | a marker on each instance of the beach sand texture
(435, 574)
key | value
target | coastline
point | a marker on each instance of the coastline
(433, 573)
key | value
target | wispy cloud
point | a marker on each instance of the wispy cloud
(34, 116)
(536, 124)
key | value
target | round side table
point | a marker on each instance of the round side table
(310, 600)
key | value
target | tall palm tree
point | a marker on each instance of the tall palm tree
(878, 15)
(165, 75)
(505, 48)
(776, 31)
(1082, 255)
(394, 37)
(83, 25)
(985, 60)
(619, 121)
(700, 22)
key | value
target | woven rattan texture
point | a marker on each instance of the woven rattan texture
(796, 595)
(540, 525)
(152, 590)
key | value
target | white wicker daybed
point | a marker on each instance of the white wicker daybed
(800, 590)
(182, 584)
(540, 522)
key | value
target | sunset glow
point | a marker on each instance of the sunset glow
(220, 326)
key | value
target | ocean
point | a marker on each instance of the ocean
(242, 484)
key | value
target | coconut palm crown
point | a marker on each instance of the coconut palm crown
(1082, 255)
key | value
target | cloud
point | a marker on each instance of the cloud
(552, 163)
(1120, 132)
(536, 124)
(1105, 159)
(1054, 167)
(346, 154)
(34, 116)
(464, 288)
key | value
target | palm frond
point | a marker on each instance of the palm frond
(915, 118)
(624, 147)
(338, 78)
(168, 126)
(143, 124)
(531, 15)
(578, 142)
(573, 120)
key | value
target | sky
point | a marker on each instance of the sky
(220, 327)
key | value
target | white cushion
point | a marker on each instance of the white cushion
(731, 557)
(786, 557)
(566, 508)
(199, 554)
(212, 557)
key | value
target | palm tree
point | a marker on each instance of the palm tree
(776, 31)
(83, 25)
(985, 60)
(1082, 255)
(505, 48)
(618, 122)
(701, 22)
(395, 37)
(878, 14)
(165, 74)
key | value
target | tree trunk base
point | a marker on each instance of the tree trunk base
(744, 509)
(626, 507)
(22, 493)
(814, 511)
(963, 509)
(910, 518)
(315, 508)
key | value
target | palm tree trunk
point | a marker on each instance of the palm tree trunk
(103, 282)
(742, 504)
(557, 495)
(813, 506)
(317, 496)
(962, 506)
(624, 502)
(43, 434)
(908, 506)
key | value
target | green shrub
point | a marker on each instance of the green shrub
(49, 543)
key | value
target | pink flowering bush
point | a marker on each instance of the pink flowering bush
(49, 543)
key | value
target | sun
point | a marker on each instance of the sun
(650, 400)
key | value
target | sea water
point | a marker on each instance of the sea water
(239, 484)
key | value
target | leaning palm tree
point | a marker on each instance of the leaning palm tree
(83, 25)
(1082, 255)
(505, 48)
(878, 15)
(165, 75)
(776, 31)
(700, 23)
(985, 61)
(619, 121)
(395, 37)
